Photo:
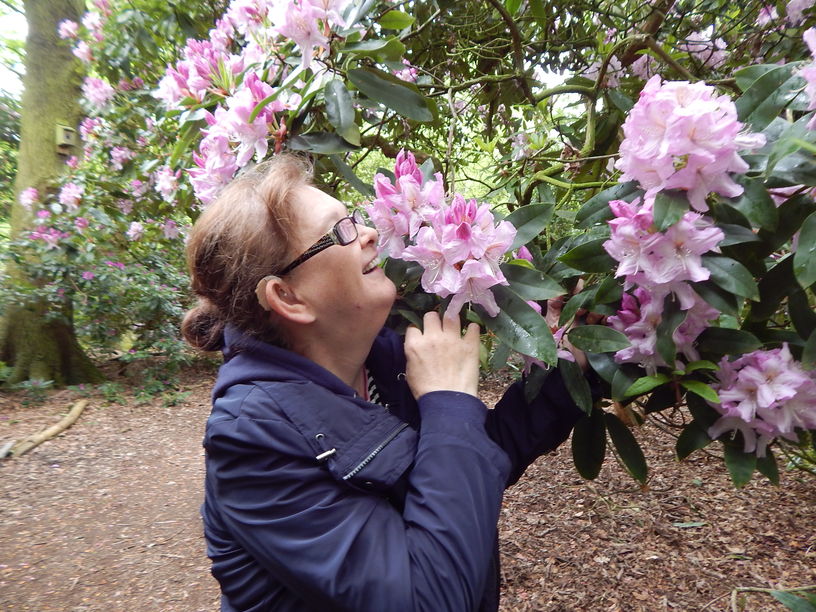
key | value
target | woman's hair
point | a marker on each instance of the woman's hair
(245, 235)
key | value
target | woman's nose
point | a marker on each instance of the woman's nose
(366, 235)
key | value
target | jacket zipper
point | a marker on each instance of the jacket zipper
(375, 452)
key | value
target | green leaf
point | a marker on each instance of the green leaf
(669, 208)
(740, 464)
(531, 284)
(802, 314)
(671, 319)
(736, 234)
(809, 353)
(347, 173)
(512, 6)
(692, 438)
(703, 364)
(624, 377)
(755, 203)
(382, 49)
(610, 290)
(339, 105)
(804, 260)
(596, 209)
(604, 365)
(576, 384)
(396, 20)
(589, 444)
(767, 96)
(392, 92)
(731, 276)
(189, 133)
(645, 384)
(724, 341)
(529, 221)
(574, 304)
(628, 448)
(745, 77)
(620, 100)
(597, 339)
(589, 257)
(792, 602)
(701, 389)
(538, 10)
(722, 300)
(767, 467)
(519, 326)
(320, 142)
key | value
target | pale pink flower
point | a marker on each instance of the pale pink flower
(88, 275)
(70, 195)
(119, 156)
(809, 74)
(139, 188)
(795, 9)
(644, 67)
(170, 229)
(126, 206)
(166, 181)
(28, 197)
(81, 223)
(99, 93)
(638, 318)
(72, 162)
(612, 76)
(710, 53)
(215, 166)
(135, 231)
(251, 137)
(767, 14)
(524, 253)
(93, 22)
(683, 135)
(83, 52)
(300, 23)
(764, 394)
(103, 6)
(409, 73)
(67, 29)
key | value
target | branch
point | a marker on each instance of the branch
(649, 29)
(518, 53)
(26, 444)
(654, 46)
(12, 7)
(589, 92)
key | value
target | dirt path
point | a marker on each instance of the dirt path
(105, 518)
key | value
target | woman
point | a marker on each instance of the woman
(343, 471)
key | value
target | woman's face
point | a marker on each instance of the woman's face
(335, 281)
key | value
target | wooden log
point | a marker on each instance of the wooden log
(26, 444)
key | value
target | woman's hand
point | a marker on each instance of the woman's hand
(440, 358)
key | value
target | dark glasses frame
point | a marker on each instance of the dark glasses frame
(334, 236)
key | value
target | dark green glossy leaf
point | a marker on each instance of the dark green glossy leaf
(628, 448)
(574, 304)
(804, 260)
(596, 209)
(391, 92)
(731, 276)
(597, 339)
(720, 299)
(661, 398)
(395, 20)
(809, 353)
(609, 291)
(589, 257)
(724, 341)
(671, 319)
(669, 207)
(792, 214)
(345, 170)
(703, 364)
(736, 234)
(645, 384)
(529, 222)
(512, 6)
(320, 142)
(339, 106)
(692, 438)
(604, 365)
(793, 602)
(766, 97)
(774, 286)
(576, 384)
(620, 100)
(740, 465)
(767, 467)
(531, 284)
(519, 326)
(534, 381)
(745, 77)
(704, 414)
(755, 204)
(701, 389)
(384, 49)
(501, 354)
(802, 314)
(624, 377)
(589, 444)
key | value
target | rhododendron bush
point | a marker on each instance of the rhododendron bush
(662, 189)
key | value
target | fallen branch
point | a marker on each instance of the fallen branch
(21, 447)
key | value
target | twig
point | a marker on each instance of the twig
(26, 444)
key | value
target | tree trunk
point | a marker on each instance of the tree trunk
(39, 348)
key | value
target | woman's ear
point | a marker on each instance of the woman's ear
(275, 295)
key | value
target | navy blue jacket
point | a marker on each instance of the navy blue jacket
(318, 500)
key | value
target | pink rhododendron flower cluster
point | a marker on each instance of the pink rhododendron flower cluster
(28, 197)
(68, 29)
(795, 9)
(98, 93)
(70, 195)
(83, 52)
(119, 156)
(659, 263)
(710, 53)
(683, 135)
(764, 395)
(166, 181)
(459, 245)
(409, 73)
(51, 236)
(135, 231)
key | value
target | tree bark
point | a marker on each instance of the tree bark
(40, 348)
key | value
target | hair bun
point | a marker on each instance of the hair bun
(203, 327)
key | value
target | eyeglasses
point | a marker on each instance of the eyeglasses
(343, 232)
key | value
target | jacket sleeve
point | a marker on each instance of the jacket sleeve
(526, 431)
(339, 548)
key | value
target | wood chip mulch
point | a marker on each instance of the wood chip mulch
(105, 518)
